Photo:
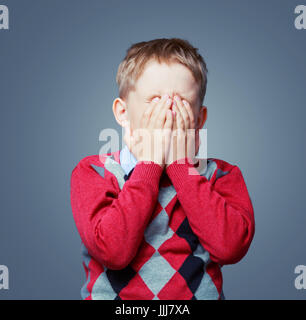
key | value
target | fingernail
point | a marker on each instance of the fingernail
(155, 99)
(185, 102)
(174, 102)
(173, 112)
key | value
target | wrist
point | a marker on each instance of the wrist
(150, 161)
(148, 171)
(179, 171)
(183, 161)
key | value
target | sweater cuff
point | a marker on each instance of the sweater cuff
(180, 171)
(147, 171)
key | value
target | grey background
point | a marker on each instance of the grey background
(58, 64)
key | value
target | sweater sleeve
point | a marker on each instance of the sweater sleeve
(111, 223)
(220, 213)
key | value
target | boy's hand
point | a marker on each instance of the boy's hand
(182, 142)
(151, 142)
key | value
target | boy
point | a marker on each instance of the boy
(159, 225)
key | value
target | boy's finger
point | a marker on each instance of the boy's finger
(167, 129)
(180, 123)
(190, 114)
(167, 132)
(152, 109)
(161, 118)
(169, 120)
(183, 111)
(156, 112)
(148, 113)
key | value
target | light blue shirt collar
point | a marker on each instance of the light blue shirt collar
(127, 159)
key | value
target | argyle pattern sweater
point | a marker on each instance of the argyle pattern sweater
(159, 235)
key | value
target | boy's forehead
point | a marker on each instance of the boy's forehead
(166, 78)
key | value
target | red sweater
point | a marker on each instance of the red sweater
(159, 234)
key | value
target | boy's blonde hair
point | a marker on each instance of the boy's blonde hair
(163, 50)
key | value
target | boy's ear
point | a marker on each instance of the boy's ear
(202, 117)
(120, 111)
